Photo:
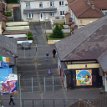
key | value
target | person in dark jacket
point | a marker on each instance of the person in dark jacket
(54, 53)
(11, 100)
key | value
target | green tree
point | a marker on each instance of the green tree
(29, 36)
(57, 32)
(12, 1)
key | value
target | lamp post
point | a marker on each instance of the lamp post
(20, 93)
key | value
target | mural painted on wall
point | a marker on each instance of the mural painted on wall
(84, 77)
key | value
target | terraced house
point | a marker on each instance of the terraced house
(39, 10)
(83, 12)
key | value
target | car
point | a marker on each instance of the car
(26, 45)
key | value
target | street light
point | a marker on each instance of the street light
(20, 93)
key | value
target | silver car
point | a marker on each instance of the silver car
(26, 45)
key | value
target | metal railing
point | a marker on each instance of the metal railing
(33, 84)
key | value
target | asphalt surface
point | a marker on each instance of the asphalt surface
(33, 63)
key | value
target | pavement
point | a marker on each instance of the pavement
(35, 63)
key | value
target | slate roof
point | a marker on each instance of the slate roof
(103, 61)
(82, 9)
(8, 44)
(101, 4)
(86, 43)
(8, 48)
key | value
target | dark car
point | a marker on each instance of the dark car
(26, 45)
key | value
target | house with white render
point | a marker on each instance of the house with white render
(40, 10)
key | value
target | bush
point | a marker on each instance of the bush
(12, 1)
(30, 36)
(57, 32)
(8, 13)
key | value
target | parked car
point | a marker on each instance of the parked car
(26, 45)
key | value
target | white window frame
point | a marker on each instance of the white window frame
(51, 3)
(52, 14)
(41, 5)
(27, 4)
(62, 12)
(30, 15)
(61, 3)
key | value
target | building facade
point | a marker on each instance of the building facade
(40, 10)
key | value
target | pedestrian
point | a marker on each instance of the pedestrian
(49, 72)
(11, 100)
(54, 53)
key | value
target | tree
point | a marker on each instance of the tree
(12, 1)
(57, 32)
(30, 36)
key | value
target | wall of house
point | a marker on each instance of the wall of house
(0, 27)
(3, 25)
(46, 4)
(85, 21)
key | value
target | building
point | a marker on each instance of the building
(3, 18)
(83, 12)
(40, 10)
(81, 56)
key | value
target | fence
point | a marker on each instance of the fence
(43, 84)
(60, 103)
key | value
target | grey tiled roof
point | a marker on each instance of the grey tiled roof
(86, 43)
(103, 61)
(8, 44)
(40, 10)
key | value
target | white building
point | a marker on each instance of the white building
(39, 10)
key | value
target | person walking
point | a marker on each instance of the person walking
(54, 53)
(11, 100)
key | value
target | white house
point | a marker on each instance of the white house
(40, 10)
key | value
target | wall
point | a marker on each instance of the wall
(0, 27)
(83, 22)
(46, 4)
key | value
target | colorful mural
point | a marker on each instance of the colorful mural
(84, 77)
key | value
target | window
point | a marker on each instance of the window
(51, 4)
(51, 14)
(61, 3)
(30, 15)
(105, 13)
(40, 4)
(27, 4)
(41, 15)
(61, 12)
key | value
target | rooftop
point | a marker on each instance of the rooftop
(86, 43)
